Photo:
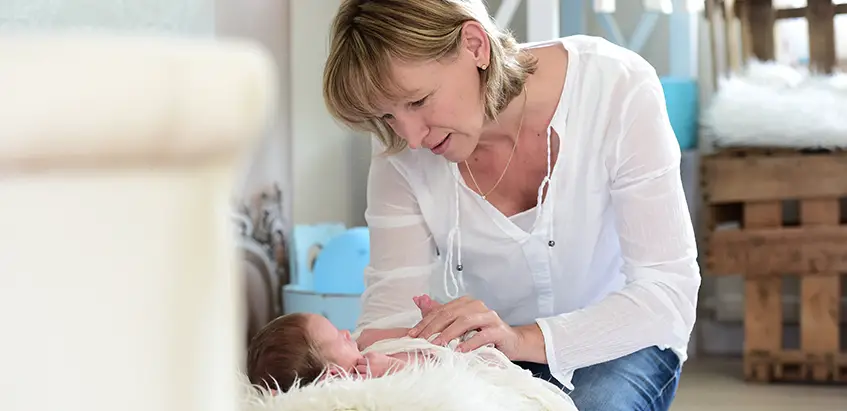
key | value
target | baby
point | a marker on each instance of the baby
(309, 346)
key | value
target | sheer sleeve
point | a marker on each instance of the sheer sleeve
(402, 249)
(656, 307)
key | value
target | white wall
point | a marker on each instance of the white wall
(191, 17)
(321, 166)
(330, 163)
(267, 22)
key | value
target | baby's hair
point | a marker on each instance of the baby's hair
(283, 352)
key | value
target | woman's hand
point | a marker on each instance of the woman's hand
(464, 314)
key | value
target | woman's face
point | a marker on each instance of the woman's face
(443, 111)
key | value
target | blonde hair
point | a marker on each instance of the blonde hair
(368, 34)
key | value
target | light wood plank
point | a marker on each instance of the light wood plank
(820, 295)
(763, 301)
(821, 17)
(776, 177)
(762, 18)
(811, 250)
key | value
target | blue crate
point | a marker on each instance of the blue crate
(329, 261)
(342, 310)
(340, 266)
(682, 96)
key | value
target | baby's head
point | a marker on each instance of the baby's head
(299, 346)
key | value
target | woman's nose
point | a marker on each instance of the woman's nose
(412, 128)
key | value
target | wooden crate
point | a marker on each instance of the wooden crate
(755, 20)
(745, 233)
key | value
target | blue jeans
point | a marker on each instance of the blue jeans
(643, 381)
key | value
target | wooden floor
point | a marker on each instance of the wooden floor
(717, 385)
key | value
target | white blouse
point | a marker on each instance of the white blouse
(606, 265)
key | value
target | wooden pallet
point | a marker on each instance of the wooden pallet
(746, 233)
(755, 19)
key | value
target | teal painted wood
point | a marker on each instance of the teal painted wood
(645, 28)
(681, 85)
(300, 297)
(636, 41)
(683, 41)
(342, 310)
(572, 17)
(682, 98)
(610, 26)
(542, 20)
(307, 240)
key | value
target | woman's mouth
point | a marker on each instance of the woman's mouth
(442, 146)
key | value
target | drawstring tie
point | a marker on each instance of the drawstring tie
(455, 235)
(547, 181)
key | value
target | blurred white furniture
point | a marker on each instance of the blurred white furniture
(118, 287)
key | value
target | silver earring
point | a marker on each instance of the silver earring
(483, 67)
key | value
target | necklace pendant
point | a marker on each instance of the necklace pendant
(483, 197)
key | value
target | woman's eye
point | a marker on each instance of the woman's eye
(419, 102)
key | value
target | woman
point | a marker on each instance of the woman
(534, 190)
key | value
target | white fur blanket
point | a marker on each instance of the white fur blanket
(775, 105)
(481, 380)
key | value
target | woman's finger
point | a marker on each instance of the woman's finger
(470, 308)
(462, 325)
(484, 337)
(426, 320)
(438, 323)
(437, 312)
(427, 304)
(415, 331)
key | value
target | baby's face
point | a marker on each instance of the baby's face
(337, 346)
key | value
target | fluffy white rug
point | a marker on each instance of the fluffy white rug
(481, 380)
(774, 105)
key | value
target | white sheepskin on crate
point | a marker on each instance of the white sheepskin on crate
(775, 105)
(481, 380)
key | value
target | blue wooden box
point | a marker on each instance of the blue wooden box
(682, 96)
(341, 307)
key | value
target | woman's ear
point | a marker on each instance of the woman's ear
(475, 41)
